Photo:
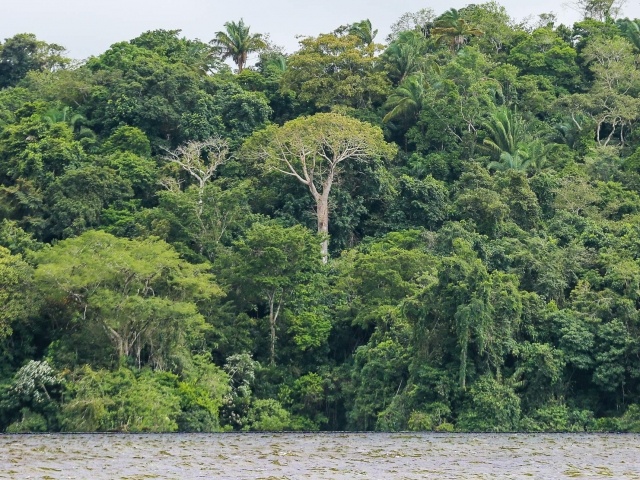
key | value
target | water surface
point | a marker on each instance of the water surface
(320, 456)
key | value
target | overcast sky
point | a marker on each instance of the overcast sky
(89, 27)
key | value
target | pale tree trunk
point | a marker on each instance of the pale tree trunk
(273, 318)
(322, 212)
(117, 339)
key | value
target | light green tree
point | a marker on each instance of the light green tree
(139, 292)
(314, 151)
(611, 106)
(331, 70)
(15, 301)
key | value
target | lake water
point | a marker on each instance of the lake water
(320, 456)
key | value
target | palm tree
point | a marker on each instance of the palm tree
(236, 43)
(407, 54)
(538, 152)
(73, 120)
(506, 132)
(407, 100)
(507, 137)
(277, 63)
(63, 115)
(364, 31)
(454, 30)
(517, 161)
(515, 146)
(631, 31)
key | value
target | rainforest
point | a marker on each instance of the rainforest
(434, 231)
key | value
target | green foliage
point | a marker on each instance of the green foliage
(630, 421)
(15, 290)
(128, 139)
(485, 207)
(199, 222)
(121, 401)
(15, 239)
(545, 53)
(309, 392)
(406, 100)
(139, 292)
(490, 407)
(479, 181)
(77, 199)
(35, 149)
(243, 112)
(378, 375)
(24, 52)
(29, 422)
(269, 268)
(140, 88)
(406, 55)
(202, 389)
(167, 43)
(432, 417)
(268, 416)
(331, 70)
(378, 278)
(236, 43)
(462, 93)
(506, 132)
(454, 30)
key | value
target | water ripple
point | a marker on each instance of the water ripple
(329, 456)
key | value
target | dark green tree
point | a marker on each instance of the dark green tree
(23, 53)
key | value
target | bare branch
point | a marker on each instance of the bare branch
(200, 158)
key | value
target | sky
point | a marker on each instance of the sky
(89, 27)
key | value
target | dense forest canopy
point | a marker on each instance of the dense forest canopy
(439, 230)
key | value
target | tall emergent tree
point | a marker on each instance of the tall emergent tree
(451, 28)
(237, 43)
(314, 150)
(600, 10)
